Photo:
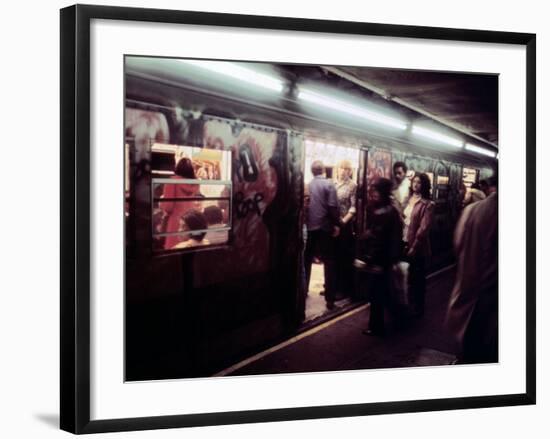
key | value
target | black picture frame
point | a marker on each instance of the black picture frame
(75, 217)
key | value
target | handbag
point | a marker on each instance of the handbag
(400, 283)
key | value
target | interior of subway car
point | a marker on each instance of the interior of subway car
(220, 244)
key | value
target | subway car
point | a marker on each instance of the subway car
(201, 296)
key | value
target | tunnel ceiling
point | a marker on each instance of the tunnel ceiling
(465, 101)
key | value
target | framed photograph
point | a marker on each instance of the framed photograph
(275, 218)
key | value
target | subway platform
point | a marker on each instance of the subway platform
(339, 344)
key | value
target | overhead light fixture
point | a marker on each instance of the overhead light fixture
(338, 105)
(238, 72)
(434, 135)
(480, 150)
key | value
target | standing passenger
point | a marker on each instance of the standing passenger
(380, 248)
(474, 194)
(322, 227)
(346, 190)
(402, 184)
(418, 214)
(473, 309)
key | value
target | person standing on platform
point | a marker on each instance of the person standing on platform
(346, 190)
(474, 194)
(418, 214)
(472, 316)
(402, 185)
(323, 226)
(380, 248)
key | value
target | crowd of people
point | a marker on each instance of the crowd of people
(398, 222)
(399, 217)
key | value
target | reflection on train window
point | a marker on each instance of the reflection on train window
(191, 204)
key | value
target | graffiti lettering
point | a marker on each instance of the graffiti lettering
(249, 167)
(244, 206)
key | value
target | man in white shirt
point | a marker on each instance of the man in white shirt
(402, 184)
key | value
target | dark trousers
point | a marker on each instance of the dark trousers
(480, 343)
(378, 289)
(417, 282)
(345, 253)
(322, 244)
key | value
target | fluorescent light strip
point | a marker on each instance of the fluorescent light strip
(238, 72)
(480, 150)
(316, 98)
(162, 147)
(434, 135)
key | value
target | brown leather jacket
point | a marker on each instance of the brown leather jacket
(418, 235)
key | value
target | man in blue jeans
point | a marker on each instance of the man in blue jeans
(323, 225)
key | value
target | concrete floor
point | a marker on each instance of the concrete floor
(339, 344)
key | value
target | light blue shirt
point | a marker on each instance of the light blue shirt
(323, 205)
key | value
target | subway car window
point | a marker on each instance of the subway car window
(191, 197)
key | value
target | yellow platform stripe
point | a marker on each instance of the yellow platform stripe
(290, 341)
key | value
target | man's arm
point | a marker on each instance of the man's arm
(353, 201)
(460, 228)
(332, 203)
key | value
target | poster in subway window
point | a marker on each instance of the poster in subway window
(379, 165)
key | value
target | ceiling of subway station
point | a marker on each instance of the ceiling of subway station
(464, 101)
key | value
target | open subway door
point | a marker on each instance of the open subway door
(344, 167)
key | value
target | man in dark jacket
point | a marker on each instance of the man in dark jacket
(380, 248)
(322, 222)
